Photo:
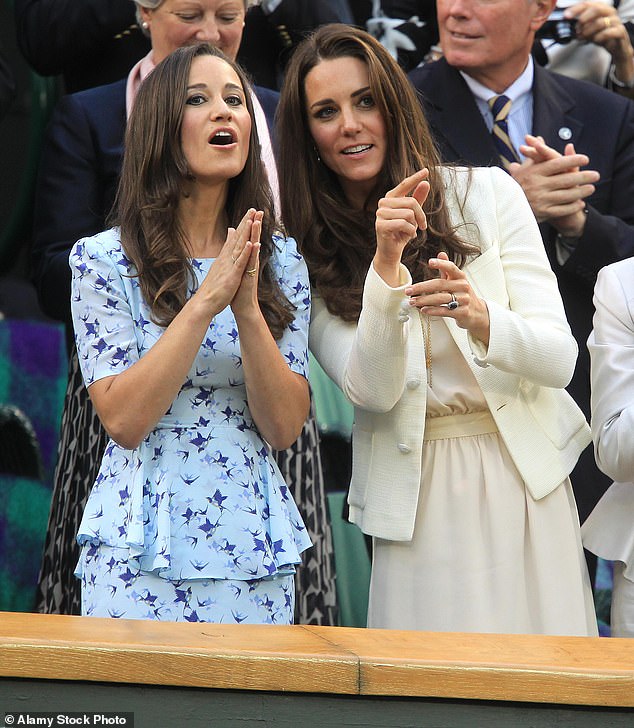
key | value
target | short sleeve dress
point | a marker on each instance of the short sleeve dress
(201, 501)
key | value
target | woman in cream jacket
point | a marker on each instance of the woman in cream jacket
(609, 529)
(437, 313)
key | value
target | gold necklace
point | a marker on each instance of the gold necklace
(426, 328)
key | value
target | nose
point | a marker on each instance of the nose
(220, 109)
(456, 8)
(350, 122)
(208, 31)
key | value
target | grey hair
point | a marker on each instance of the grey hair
(154, 4)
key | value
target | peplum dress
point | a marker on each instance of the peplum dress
(485, 556)
(197, 522)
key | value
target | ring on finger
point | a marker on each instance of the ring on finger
(607, 21)
(452, 305)
(251, 272)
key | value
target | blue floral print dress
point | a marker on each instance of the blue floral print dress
(196, 523)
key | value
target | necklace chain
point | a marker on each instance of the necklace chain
(425, 324)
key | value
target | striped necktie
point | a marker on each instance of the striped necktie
(500, 107)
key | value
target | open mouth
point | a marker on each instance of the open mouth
(357, 149)
(222, 138)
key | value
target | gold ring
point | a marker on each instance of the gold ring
(252, 272)
(607, 22)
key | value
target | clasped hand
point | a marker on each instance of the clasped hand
(555, 185)
(233, 277)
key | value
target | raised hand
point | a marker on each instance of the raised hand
(599, 23)
(555, 185)
(451, 295)
(399, 216)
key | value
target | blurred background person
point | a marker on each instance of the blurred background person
(407, 28)
(87, 43)
(274, 27)
(609, 530)
(7, 85)
(590, 41)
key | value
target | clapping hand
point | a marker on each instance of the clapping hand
(555, 185)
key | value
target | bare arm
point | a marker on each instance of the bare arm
(129, 404)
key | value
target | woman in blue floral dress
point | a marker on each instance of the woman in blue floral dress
(190, 320)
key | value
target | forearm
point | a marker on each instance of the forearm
(368, 361)
(278, 397)
(131, 403)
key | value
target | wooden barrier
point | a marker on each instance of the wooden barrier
(246, 675)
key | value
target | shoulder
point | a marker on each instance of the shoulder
(102, 249)
(285, 252)
(479, 183)
(619, 277)
(267, 97)
(97, 98)
(433, 76)
(102, 108)
(585, 94)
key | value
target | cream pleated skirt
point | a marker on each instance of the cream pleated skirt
(485, 556)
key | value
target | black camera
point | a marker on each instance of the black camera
(557, 28)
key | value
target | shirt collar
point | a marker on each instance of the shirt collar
(521, 86)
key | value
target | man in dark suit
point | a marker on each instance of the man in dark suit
(586, 215)
(90, 43)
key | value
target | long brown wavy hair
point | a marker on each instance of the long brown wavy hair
(339, 242)
(154, 175)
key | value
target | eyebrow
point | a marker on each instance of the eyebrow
(227, 87)
(323, 102)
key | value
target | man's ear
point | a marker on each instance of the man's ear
(542, 10)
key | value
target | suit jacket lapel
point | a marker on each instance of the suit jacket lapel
(553, 112)
(463, 136)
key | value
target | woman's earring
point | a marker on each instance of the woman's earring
(317, 153)
(145, 25)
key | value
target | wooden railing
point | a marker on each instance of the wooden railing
(336, 660)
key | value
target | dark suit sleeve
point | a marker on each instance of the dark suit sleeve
(53, 34)
(71, 200)
(7, 86)
(609, 232)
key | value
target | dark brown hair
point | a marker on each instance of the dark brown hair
(338, 242)
(154, 175)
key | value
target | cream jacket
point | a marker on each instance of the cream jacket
(379, 363)
(609, 529)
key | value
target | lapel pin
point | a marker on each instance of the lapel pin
(565, 133)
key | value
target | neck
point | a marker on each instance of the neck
(499, 79)
(202, 217)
